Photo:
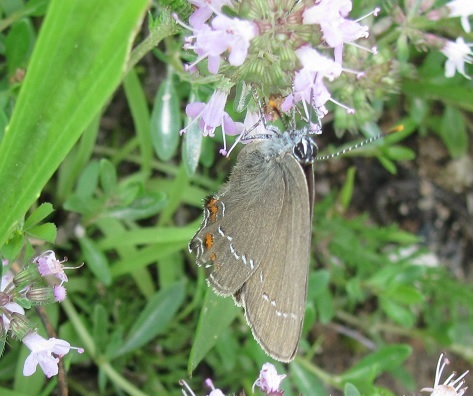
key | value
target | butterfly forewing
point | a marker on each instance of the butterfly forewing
(238, 227)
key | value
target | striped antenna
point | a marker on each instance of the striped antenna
(398, 128)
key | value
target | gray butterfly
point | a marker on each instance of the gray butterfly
(256, 234)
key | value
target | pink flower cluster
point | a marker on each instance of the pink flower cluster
(232, 35)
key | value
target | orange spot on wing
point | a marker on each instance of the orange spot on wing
(208, 240)
(213, 209)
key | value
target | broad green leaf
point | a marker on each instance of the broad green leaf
(76, 65)
(398, 313)
(216, 315)
(350, 390)
(453, 94)
(166, 120)
(142, 207)
(453, 132)
(108, 177)
(154, 319)
(370, 367)
(39, 214)
(45, 232)
(19, 44)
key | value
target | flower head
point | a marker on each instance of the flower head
(224, 34)
(458, 53)
(450, 387)
(211, 116)
(205, 9)
(41, 353)
(8, 306)
(462, 9)
(49, 265)
(269, 380)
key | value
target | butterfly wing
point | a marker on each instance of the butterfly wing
(274, 297)
(239, 223)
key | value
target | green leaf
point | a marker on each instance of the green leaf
(19, 45)
(100, 327)
(155, 318)
(307, 383)
(12, 248)
(397, 312)
(192, 145)
(142, 207)
(45, 232)
(96, 260)
(453, 132)
(108, 177)
(347, 191)
(40, 213)
(458, 95)
(166, 120)
(350, 390)
(216, 315)
(76, 65)
(371, 366)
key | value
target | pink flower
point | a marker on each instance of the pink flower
(41, 353)
(215, 391)
(313, 61)
(211, 116)
(49, 265)
(336, 28)
(226, 33)
(450, 387)
(59, 293)
(458, 53)
(9, 307)
(462, 9)
(205, 10)
(269, 380)
(311, 91)
(237, 35)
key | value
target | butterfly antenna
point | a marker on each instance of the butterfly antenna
(360, 144)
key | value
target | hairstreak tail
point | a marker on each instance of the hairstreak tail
(255, 238)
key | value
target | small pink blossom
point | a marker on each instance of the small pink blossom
(311, 91)
(59, 292)
(237, 35)
(215, 391)
(49, 265)
(9, 307)
(269, 380)
(224, 34)
(205, 10)
(462, 9)
(41, 353)
(337, 30)
(313, 61)
(450, 387)
(211, 116)
(458, 53)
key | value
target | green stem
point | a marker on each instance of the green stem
(89, 346)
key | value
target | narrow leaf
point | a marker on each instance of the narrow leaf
(40, 213)
(166, 120)
(216, 315)
(155, 318)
